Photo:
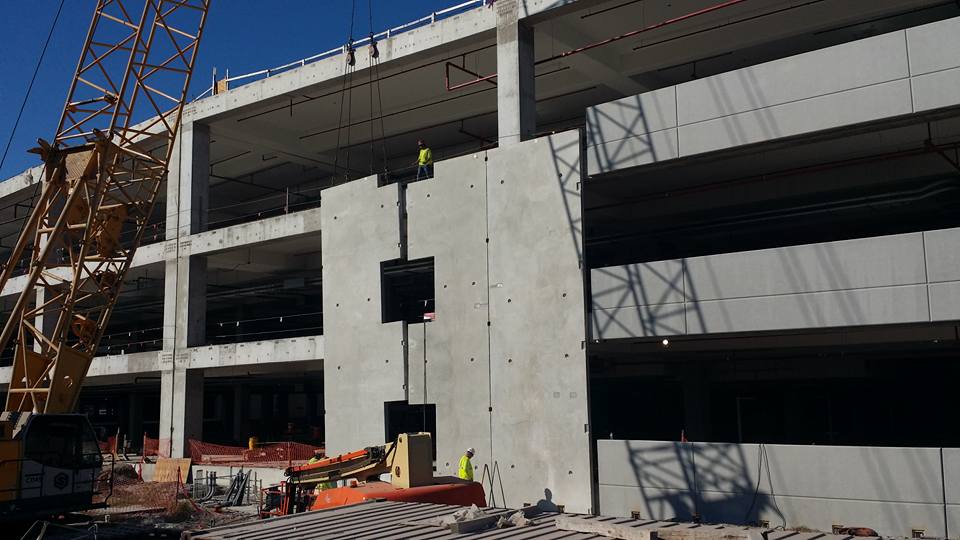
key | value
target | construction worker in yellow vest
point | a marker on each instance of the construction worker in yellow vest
(424, 161)
(466, 468)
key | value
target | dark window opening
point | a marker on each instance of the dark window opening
(859, 396)
(407, 289)
(402, 417)
(621, 233)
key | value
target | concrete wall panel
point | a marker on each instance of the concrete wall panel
(643, 284)
(538, 361)
(831, 266)
(936, 90)
(364, 358)
(887, 305)
(447, 220)
(796, 118)
(857, 64)
(942, 249)
(881, 280)
(934, 47)
(634, 151)
(877, 78)
(951, 468)
(891, 489)
(639, 321)
(632, 116)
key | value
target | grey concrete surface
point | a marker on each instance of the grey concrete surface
(882, 280)
(181, 404)
(891, 490)
(537, 331)
(881, 77)
(447, 220)
(364, 358)
(250, 234)
(516, 99)
(528, 366)
(471, 25)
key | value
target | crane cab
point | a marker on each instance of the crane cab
(49, 464)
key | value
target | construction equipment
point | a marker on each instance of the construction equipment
(102, 174)
(408, 460)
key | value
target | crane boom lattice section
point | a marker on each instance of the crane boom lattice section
(101, 179)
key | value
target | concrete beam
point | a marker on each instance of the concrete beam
(251, 234)
(256, 353)
(145, 255)
(516, 84)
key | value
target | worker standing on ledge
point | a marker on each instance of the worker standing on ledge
(424, 161)
(466, 468)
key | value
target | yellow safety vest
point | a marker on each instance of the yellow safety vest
(426, 157)
(466, 469)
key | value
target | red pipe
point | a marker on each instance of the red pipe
(656, 26)
(478, 78)
(607, 41)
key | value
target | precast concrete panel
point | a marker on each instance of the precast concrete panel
(817, 73)
(885, 305)
(891, 489)
(865, 281)
(538, 362)
(364, 358)
(830, 266)
(447, 220)
(878, 78)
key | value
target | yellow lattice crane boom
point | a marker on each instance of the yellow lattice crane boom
(102, 174)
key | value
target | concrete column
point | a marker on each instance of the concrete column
(181, 408)
(516, 98)
(185, 303)
(188, 182)
(185, 289)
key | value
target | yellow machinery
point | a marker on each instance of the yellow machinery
(102, 174)
(408, 461)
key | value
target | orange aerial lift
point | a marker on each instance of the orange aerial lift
(408, 461)
(102, 174)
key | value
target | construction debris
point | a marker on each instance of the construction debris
(516, 519)
(605, 529)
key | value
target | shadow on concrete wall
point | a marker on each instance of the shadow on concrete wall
(634, 139)
(628, 308)
(714, 483)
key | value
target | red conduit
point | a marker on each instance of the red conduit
(578, 50)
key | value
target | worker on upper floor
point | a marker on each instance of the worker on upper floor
(465, 472)
(424, 161)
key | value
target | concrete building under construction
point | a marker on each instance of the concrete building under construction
(676, 259)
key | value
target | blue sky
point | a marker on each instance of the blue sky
(242, 35)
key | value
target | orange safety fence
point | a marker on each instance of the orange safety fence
(108, 446)
(276, 454)
(155, 447)
(126, 494)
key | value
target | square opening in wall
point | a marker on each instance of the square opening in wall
(407, 290)
(402, 417)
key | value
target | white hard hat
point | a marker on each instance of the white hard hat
(471, 451)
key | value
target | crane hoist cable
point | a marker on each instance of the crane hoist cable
(346, 94)
(375, 78)
(33, 79)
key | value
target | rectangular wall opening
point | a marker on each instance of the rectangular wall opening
(407, 289)
(402, 417)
